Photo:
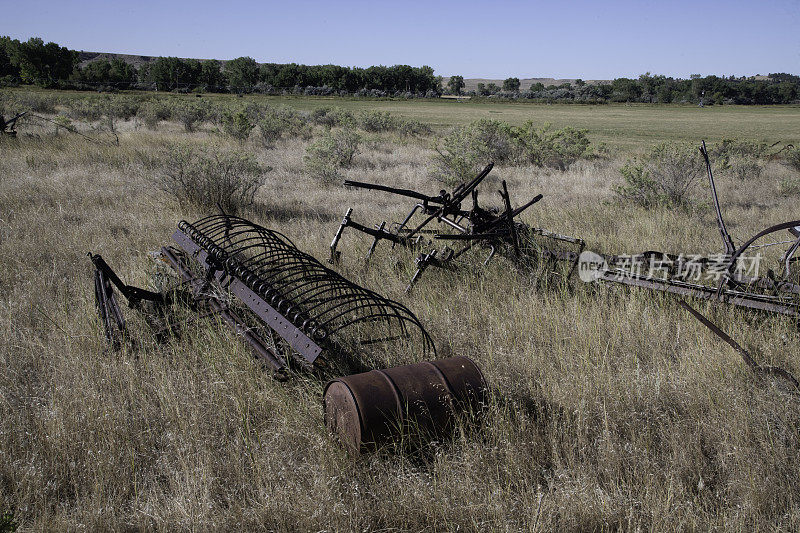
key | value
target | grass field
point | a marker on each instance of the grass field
(618, 125)
(613, 409)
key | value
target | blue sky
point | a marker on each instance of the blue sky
(589, 40)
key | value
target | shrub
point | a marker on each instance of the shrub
(238, 125)
(334, 151)
(664, 176)
(332, 116)
(793, 158)
(124, 108)
(7, 522)
(467, 149)
(726, 150)
(154, 111)
(744, 168)
(38, 103)
(789, 187)
(86, 109)
(205, 179)
(282, 123)
(190, 114)
(546, 147)
(375, 121)
(413, 127)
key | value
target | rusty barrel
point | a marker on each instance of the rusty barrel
(373, 408)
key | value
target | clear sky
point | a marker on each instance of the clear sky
(577, 39)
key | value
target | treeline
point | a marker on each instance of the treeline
(778, 89)
(54, 66)
(50, 65)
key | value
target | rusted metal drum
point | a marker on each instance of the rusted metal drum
(373, 408)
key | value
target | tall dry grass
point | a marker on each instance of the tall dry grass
(613, 408)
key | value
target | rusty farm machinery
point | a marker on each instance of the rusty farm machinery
(298, 315)
(290, 308)
(446, 218)
(735, 275)
(732, 276)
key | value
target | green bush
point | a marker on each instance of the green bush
(467, 149)
(789, 187)
(333, 151)
(203, 178)
(123, 107)
(154, 111)
(376, 121)
(7, 523)
(33, 101)
(744, 168)
(331, 117)
(413, 127)
(86, 109)
(190, 114)
(282, 123)
(546, 147)
(728, 149)
(238, 125)
(793, 158)
(664, 176)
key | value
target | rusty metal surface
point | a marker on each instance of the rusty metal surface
(198, 287)
(258, 283)
(303, 301)
(422, 400)
(748, 359)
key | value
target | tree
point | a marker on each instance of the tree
(455, 84)
(211, 76)
(8, 48)
(511, 85)
(170, 73)
(115, 72)
(242, 73)
(43, 64)
(625, 90)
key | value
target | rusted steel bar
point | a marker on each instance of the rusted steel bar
(726, 238)
(748, 359)
(199, 287)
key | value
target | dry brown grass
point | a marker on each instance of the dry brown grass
(614, 410)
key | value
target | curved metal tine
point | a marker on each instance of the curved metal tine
(245, 237)
(255, 227)
(408, 218)
(354, 302)
(320, 284)
(267, 259)
(343, 306)
(284, 276)
(213, 226)
(388, 309)
(427, 342)
(787, 258)
(267, 254)
(225, 221)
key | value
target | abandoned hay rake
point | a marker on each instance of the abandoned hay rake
(261, 284)
(497, 230)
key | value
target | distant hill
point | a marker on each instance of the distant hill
(136, 61)
(471, 84)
